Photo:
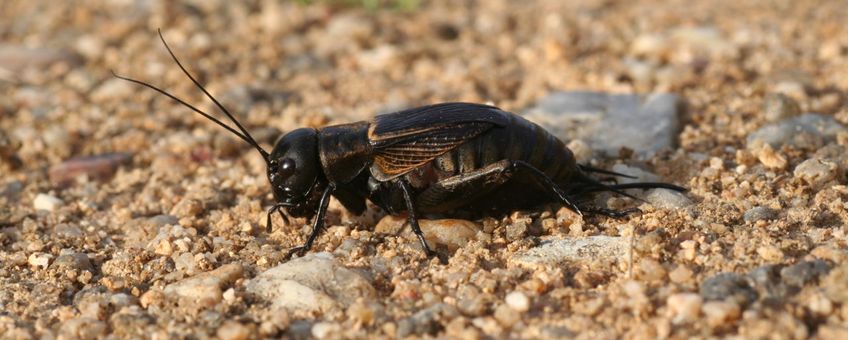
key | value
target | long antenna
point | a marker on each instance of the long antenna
(224, 109)
(244, 134)
(185, 104)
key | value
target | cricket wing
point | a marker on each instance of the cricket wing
(405, 140)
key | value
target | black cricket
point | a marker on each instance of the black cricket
(443, 158)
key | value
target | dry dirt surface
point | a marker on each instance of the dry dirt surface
(125, 215)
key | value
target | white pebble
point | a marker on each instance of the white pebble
(46, 202)
(518, 301)
(40, 260)
(230, 295)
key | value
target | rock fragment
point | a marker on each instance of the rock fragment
(313, 283)
(40, 260)
(770, 158)
(836, 284)
(803, 273)
(98, 167)
(759, 213)
(518, 301)
(232, 330)
(806, 131)
(667, 199)
(719, 313)
(205, 289)
(75, 261)
(453, 233)
(609, 122)
(46, 202)
(778, 106)
(684, 307)
(728, 286)
(816, 172)
(556, 251)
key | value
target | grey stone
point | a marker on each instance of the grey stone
(67, 230)
(667, 199)
(729, 286)
(816, 172)
(803, 273)
(778, 106)
(766, 279)
(609, 122)
(559, 251)
(639, 174)
(162, 220)
(76, 261)
(759, 213)
(313, 283)
(807, 130)
(422, 322)
(11, 190)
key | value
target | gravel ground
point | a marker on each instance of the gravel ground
(123, 214)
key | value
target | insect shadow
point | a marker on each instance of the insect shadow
(443, 158)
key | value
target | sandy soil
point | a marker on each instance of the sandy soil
(170, 201)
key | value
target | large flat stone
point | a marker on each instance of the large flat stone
(608, 122)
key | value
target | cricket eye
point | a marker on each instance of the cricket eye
(287, 167)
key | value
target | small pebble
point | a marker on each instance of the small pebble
(77, 261)
(518, 301)
(151, 297)
(720, 312)
(667, 199)
(728, 285)
(807, 130)
(684, 307)
(759, 213)
(98, 167)
(820, 304)
(17, 259)
(82, 328)
(803, 273)
(816, 172)
(323, 330)
(230, 295)
(46, 202)
(516, 230)
(681, 274)
(770, 253)
(362, 313)
(770, 158)
(836, 284)
(778, 106)
(651, 270)
(301, 284)
(232, 330)
(40, 260)
(507, 316)
(555, 251)
(205, 289)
